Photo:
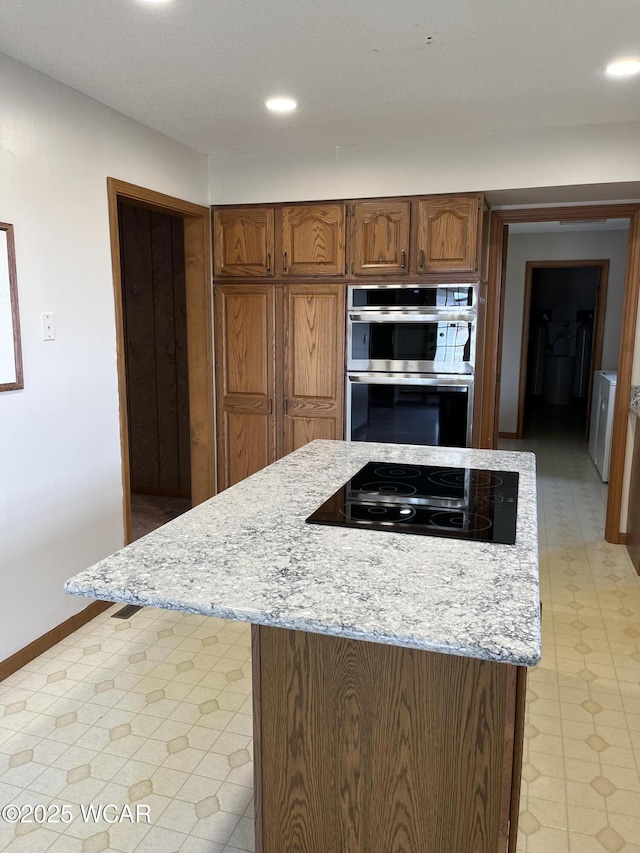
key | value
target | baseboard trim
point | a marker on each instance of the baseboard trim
(622, 538)
(507, 435)
(46, 641)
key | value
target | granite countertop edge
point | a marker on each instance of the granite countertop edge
(227, 559)
(298, 624)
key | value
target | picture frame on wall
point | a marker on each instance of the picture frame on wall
(11, 377)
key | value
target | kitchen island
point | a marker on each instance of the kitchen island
(388, 669)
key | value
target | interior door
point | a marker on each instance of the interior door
(314, 319)
(245, 380)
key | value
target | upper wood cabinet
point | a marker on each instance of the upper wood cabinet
(314, 320)
(421, 235)
(313, 240)
(447, 234)
(243, 241)
(245, 368)
(380, 237)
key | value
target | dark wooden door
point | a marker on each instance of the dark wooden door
(380, 237)
(313, 240)
(245, 367)
(447, 238)
(314, 318)
(243, 242)
(155, 341)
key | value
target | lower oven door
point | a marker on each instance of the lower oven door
(405, 408)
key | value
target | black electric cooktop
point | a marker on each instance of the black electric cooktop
(464, 503)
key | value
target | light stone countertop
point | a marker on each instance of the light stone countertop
(248, 554)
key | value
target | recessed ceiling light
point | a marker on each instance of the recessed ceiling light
(623, 67)
(281, 105)
(157, 1)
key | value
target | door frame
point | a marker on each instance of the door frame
(498, 239)
(598, 326)
(197, 252)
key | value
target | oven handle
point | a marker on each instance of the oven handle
(412, 316)
(442, 379)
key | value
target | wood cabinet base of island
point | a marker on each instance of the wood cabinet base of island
(368, 748)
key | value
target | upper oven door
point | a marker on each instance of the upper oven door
(409, 329)
(449, 299)
(420, 343)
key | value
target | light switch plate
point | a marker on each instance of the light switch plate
(48, 328)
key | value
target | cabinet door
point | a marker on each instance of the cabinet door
(314, 317)
(380, 238)
(243, 241)
(245, 380)
(448, 234)
(313, 240)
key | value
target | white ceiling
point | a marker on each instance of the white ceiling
(563, 227)
(199, 70)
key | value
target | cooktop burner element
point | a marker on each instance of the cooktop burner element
(464, 503)
(396, 472)
(389, 488)
(456, 477)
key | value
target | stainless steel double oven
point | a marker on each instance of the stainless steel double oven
(410, 363)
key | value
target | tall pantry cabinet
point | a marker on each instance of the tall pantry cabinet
(279, 371)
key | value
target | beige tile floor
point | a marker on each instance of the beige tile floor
(581, 783)
(156, 710)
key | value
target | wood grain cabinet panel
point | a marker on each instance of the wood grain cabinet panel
(314, 318)
(447, 234)
(275, 397)
(243, 241)
(380, 237)
(367, 748)
(313, 240)
(245, 380)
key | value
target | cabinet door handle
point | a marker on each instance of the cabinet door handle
(284, 262)
(270, 406)
(421, 258)
(286, 406)
(269, 262)
(403, 259)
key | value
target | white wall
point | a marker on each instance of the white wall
(570, 246)
(546, 157)
(60, 486)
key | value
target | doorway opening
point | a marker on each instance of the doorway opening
(157, 373)
(562, 331)
(162, 288)
(498, 328)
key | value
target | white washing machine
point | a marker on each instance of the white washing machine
(602, 407)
